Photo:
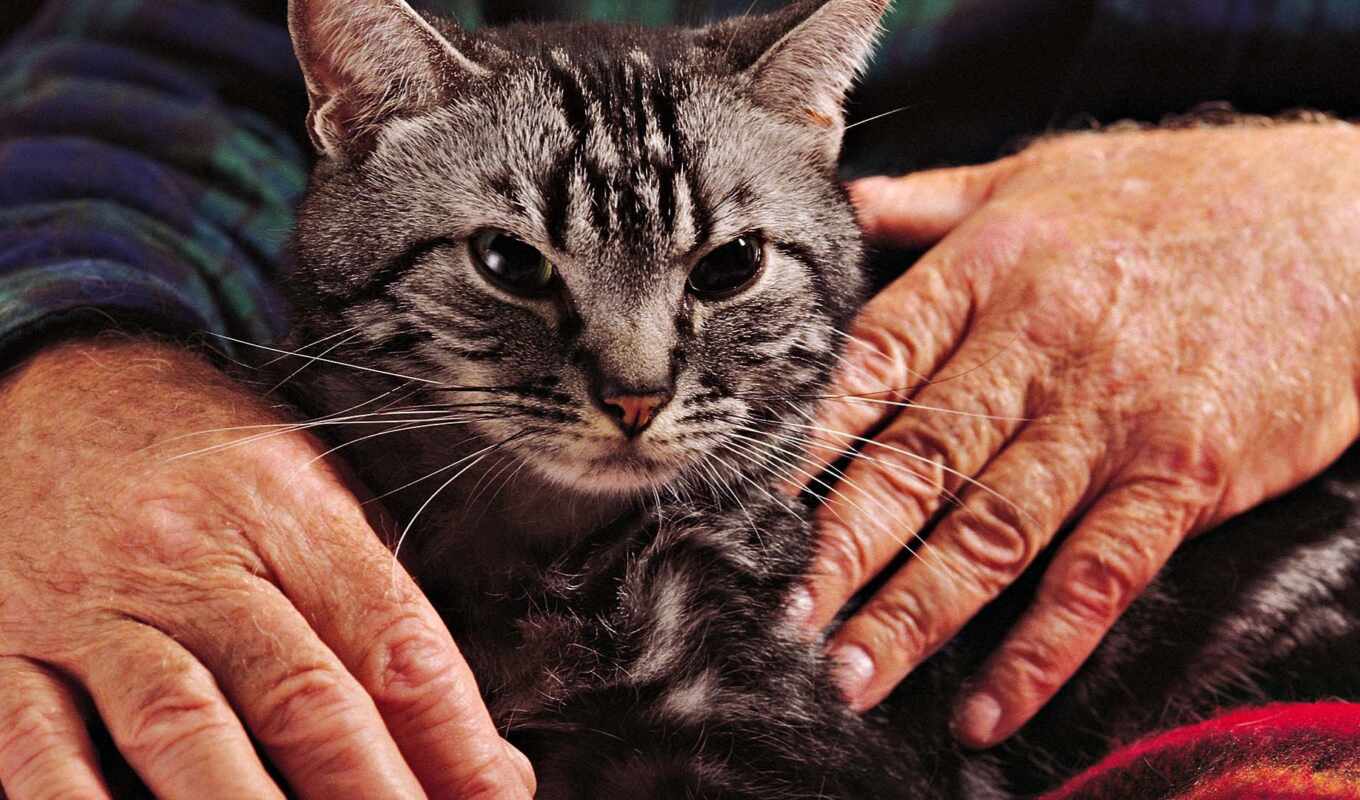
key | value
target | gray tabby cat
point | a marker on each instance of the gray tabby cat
(596, 276)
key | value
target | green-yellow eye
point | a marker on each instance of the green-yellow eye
(511, 264)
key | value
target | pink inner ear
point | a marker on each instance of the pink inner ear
(366, 61)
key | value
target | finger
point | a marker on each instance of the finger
(901, 337)
(313, 719)
(1008, 517)
(922, 208)
(899, 480)
(168, 717)
(1111, 558)
(391, 639)
(45, 748)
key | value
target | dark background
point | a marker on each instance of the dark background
(13, 13)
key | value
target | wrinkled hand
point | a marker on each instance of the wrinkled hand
(202, 601)
(1140, 334)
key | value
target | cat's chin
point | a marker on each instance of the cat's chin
(612, 475)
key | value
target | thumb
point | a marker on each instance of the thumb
(922, 208)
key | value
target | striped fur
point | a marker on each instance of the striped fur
(622, 601)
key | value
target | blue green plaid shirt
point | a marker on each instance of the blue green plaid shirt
(151, 153)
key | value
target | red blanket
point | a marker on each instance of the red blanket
(1280, 752)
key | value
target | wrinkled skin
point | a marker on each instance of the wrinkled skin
(1154, 331)
(174, 591)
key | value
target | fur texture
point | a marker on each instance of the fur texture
(622, 598)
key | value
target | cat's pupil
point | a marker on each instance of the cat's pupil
(729, 269)
(512, 264)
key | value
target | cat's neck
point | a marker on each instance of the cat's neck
(487, 528)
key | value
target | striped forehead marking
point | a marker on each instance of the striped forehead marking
(624, 178)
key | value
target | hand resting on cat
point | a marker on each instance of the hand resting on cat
(102, 586)
(181, 593)
(1155, 332)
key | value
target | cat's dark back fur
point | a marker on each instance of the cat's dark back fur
(622, 597)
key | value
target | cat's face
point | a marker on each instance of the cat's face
(622, 255)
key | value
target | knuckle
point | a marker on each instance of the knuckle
(992, 537)
(1035, 668)
(303, 705)
(915, 463)
(1189, 461)
(409, 667)
(172, 715)
(1095, 590)
(26, 732)
(876, 362)
(897, 621)
(1096, 586)
(480, 781)
(845, 557)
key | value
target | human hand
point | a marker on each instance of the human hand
(204, 601)
(1140, 334)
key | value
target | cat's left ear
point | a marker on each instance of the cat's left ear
(808, 71)
(367, 62)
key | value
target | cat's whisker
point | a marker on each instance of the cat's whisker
(300, 352)
(379, 434)
(950, 497)
(763, 462)
(274, 426)
(310, 360)
(920, 458)
(484, 482)
(770, 494)
(731, 491)
(333, 362)
(438, 472)
(878, 117)
(284, 429)
(926, 380)
(342, 412)
(476, 458)
(727, 51)
(869, 398)
(750, 521)
(887, 513)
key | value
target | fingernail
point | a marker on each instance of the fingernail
(522, 766)
(854, 671)
(800, 607)
(977, 720)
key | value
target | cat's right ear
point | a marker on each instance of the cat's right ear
(367, 62)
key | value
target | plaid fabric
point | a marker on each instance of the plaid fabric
(1282, 752)
(151, 155)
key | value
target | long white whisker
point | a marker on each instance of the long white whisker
(330, 361)
(440, 471)
(476, 459)
(887, 512)
(915, 457)
(877, 117)
(310, 360)
(300, 351)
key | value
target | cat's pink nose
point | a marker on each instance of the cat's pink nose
(634, 412)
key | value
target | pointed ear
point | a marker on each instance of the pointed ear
(367, 62)
(807, 71)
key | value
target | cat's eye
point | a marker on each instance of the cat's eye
(729, 270)
(512, 264)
